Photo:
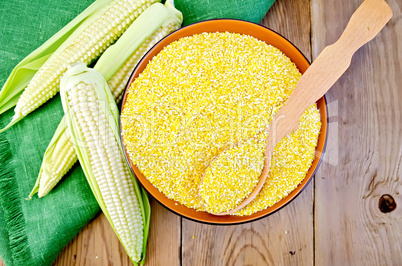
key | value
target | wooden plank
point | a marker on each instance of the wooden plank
(97, 244)
(363, 161)
(285, 237)
(164, 244)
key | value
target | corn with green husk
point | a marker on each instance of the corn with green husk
(92, 119)
(85, 44)
(116, 65)
(29, 66)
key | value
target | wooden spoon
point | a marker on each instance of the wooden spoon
(333, 61)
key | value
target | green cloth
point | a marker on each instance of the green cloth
(34, 232)
(197, 10)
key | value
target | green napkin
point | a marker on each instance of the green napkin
(34, 232)
(197, 10)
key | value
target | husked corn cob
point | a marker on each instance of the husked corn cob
(92, 118)
(156, 20)
(85, 45)
(59, 157)
(24, 71)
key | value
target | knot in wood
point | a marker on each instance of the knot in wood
(386, 203)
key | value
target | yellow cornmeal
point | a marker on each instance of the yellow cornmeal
(199, 96)
(291, 159)
(232, 176)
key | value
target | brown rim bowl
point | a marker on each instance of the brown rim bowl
(270, 37)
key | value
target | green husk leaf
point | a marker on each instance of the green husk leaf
(77, 73)
(26, 69)
(147, 219)
(21, 74)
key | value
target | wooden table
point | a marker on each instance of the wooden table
(337, 220)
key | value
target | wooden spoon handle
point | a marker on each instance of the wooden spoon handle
(329, 66)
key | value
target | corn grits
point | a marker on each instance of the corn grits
(200, 95)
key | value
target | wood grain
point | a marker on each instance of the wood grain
(164, 244)
(97, 244)
(284, 238)
(349, 226)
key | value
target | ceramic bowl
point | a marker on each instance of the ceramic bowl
(270, 37)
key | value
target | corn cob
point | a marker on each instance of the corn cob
(92, 118)
(28, 67)
(85, 45)
(117, 64)
(59, 157)
(118, 81)
(159, 21)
